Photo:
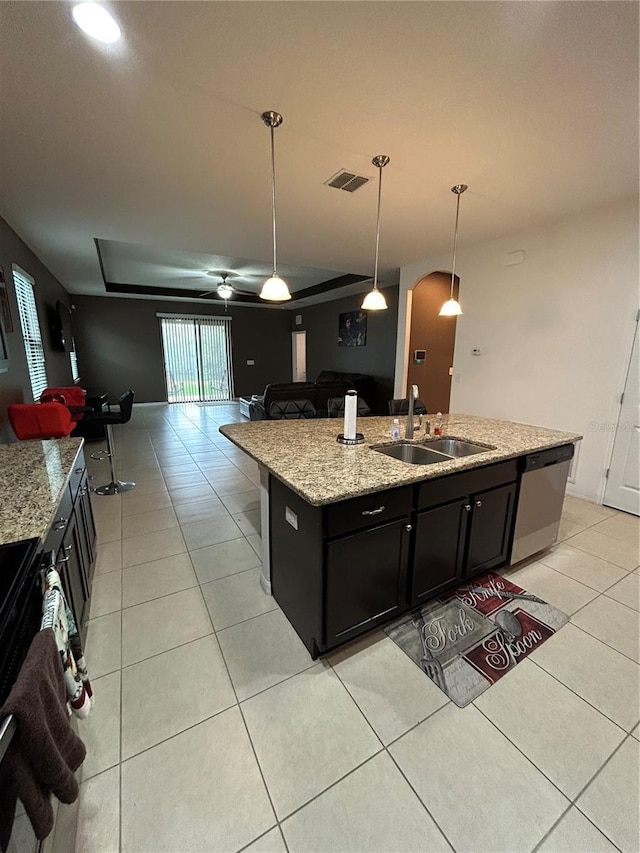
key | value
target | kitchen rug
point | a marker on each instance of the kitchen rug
(469, 638)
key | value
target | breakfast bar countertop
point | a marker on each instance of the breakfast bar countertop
(33, 475)
(305, 455)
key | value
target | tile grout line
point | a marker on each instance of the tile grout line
(555, 678)
(385, 749)
(572, 800)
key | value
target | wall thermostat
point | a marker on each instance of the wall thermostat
(419, 356)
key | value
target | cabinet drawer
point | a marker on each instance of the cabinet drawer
(367, 511)
(59, 523)
(446, 489)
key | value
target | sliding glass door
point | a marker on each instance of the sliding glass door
(197, 358)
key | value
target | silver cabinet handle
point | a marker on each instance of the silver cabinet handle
(467, 507)
(59, 523)
(68, 548)
(82, 492)
(408, 528)
(478, 503)
(62, 560)
(79, 470)
(373, 511)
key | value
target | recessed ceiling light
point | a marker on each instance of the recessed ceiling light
(96, 22)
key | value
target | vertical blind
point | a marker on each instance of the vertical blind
(30, 331)
(197, 358)
(73, 358)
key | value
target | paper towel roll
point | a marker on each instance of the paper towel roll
(350, 414)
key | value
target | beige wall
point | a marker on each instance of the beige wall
(555, 331)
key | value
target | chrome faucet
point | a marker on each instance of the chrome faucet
(413, 396)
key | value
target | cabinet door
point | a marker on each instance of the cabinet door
(87, 526)
(439, 549)
(491, 517)
(365, 580)
(70, 565)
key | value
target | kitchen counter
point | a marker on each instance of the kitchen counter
(33, 476)
(305, 455)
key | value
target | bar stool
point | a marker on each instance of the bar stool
(40, 420)
(116, 486)
(335, 407)
(400, 406)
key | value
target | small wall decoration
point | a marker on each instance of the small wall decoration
(5, 311)
(352, 329)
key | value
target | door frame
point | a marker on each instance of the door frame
(296, 337)
(635, 344)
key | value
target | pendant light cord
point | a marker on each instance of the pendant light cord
(375, 269)
(273, 197)
(455, 244)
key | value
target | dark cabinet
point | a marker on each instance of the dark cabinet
(84, 514)
(438, 557)
(70, 564)
(366, 579)
(339, 570)
(72, 538)
(490, 529)
(342, 569)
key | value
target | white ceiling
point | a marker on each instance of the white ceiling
(158, 141)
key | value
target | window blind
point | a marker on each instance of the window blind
(30, 331)
(197, 358)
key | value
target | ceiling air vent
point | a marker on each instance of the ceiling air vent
(347, 181)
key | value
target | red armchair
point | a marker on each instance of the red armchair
(40, 420)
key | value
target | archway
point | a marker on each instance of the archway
(434, 335)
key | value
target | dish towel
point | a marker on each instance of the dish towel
(57, 615)
(45, 751)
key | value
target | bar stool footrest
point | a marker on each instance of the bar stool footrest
(114, 488)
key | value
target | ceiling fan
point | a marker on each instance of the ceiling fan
(224, 290)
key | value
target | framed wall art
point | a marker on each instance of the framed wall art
(352, 329)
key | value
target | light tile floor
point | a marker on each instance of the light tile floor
(214, 731)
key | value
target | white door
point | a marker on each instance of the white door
(623, 484)
(299, 356)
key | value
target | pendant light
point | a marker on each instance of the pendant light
(451, 307)
(274, 289)
(374, 300)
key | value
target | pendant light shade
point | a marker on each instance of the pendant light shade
(274, 289)
(374, 300)
(451, 307)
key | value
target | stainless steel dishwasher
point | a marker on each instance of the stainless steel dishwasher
(544, 479)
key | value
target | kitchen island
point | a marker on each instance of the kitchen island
(352, 538)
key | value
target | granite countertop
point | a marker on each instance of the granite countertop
(33, 475)
(306, 456)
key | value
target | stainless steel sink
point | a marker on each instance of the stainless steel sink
(455, 447)
(414, 454)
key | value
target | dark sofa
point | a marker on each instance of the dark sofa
(329, 383)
